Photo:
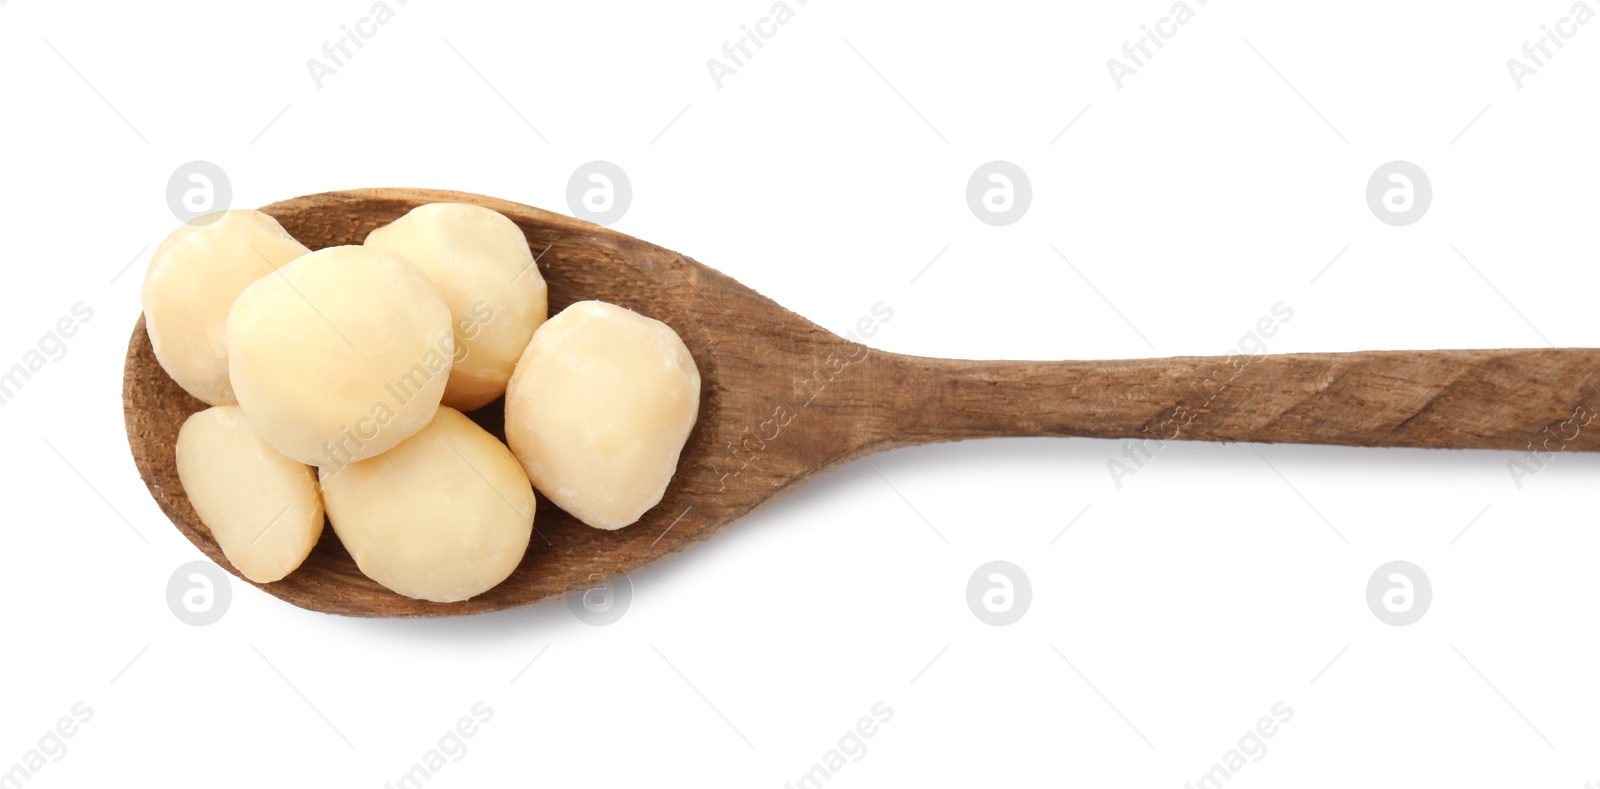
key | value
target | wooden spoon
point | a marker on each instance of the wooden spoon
(784, 400)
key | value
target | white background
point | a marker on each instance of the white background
(827, 173)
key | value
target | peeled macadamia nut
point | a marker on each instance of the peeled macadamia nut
(262, 508)
(444, 516)
(481, 263)
(598, 409)
(340, 355)
(194, 277)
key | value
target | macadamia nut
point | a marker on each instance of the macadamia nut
(263, 508)
(598, 410)
(444, 516)
(193, 279)
(481, 263)
(341, 354)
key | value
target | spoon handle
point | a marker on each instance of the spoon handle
(1540, 400)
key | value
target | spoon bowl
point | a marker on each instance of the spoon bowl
(751, 354)
(783, 400)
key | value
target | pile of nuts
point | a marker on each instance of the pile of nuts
(338, 378)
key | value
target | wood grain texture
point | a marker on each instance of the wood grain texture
(1446, 399)
(783, 400)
